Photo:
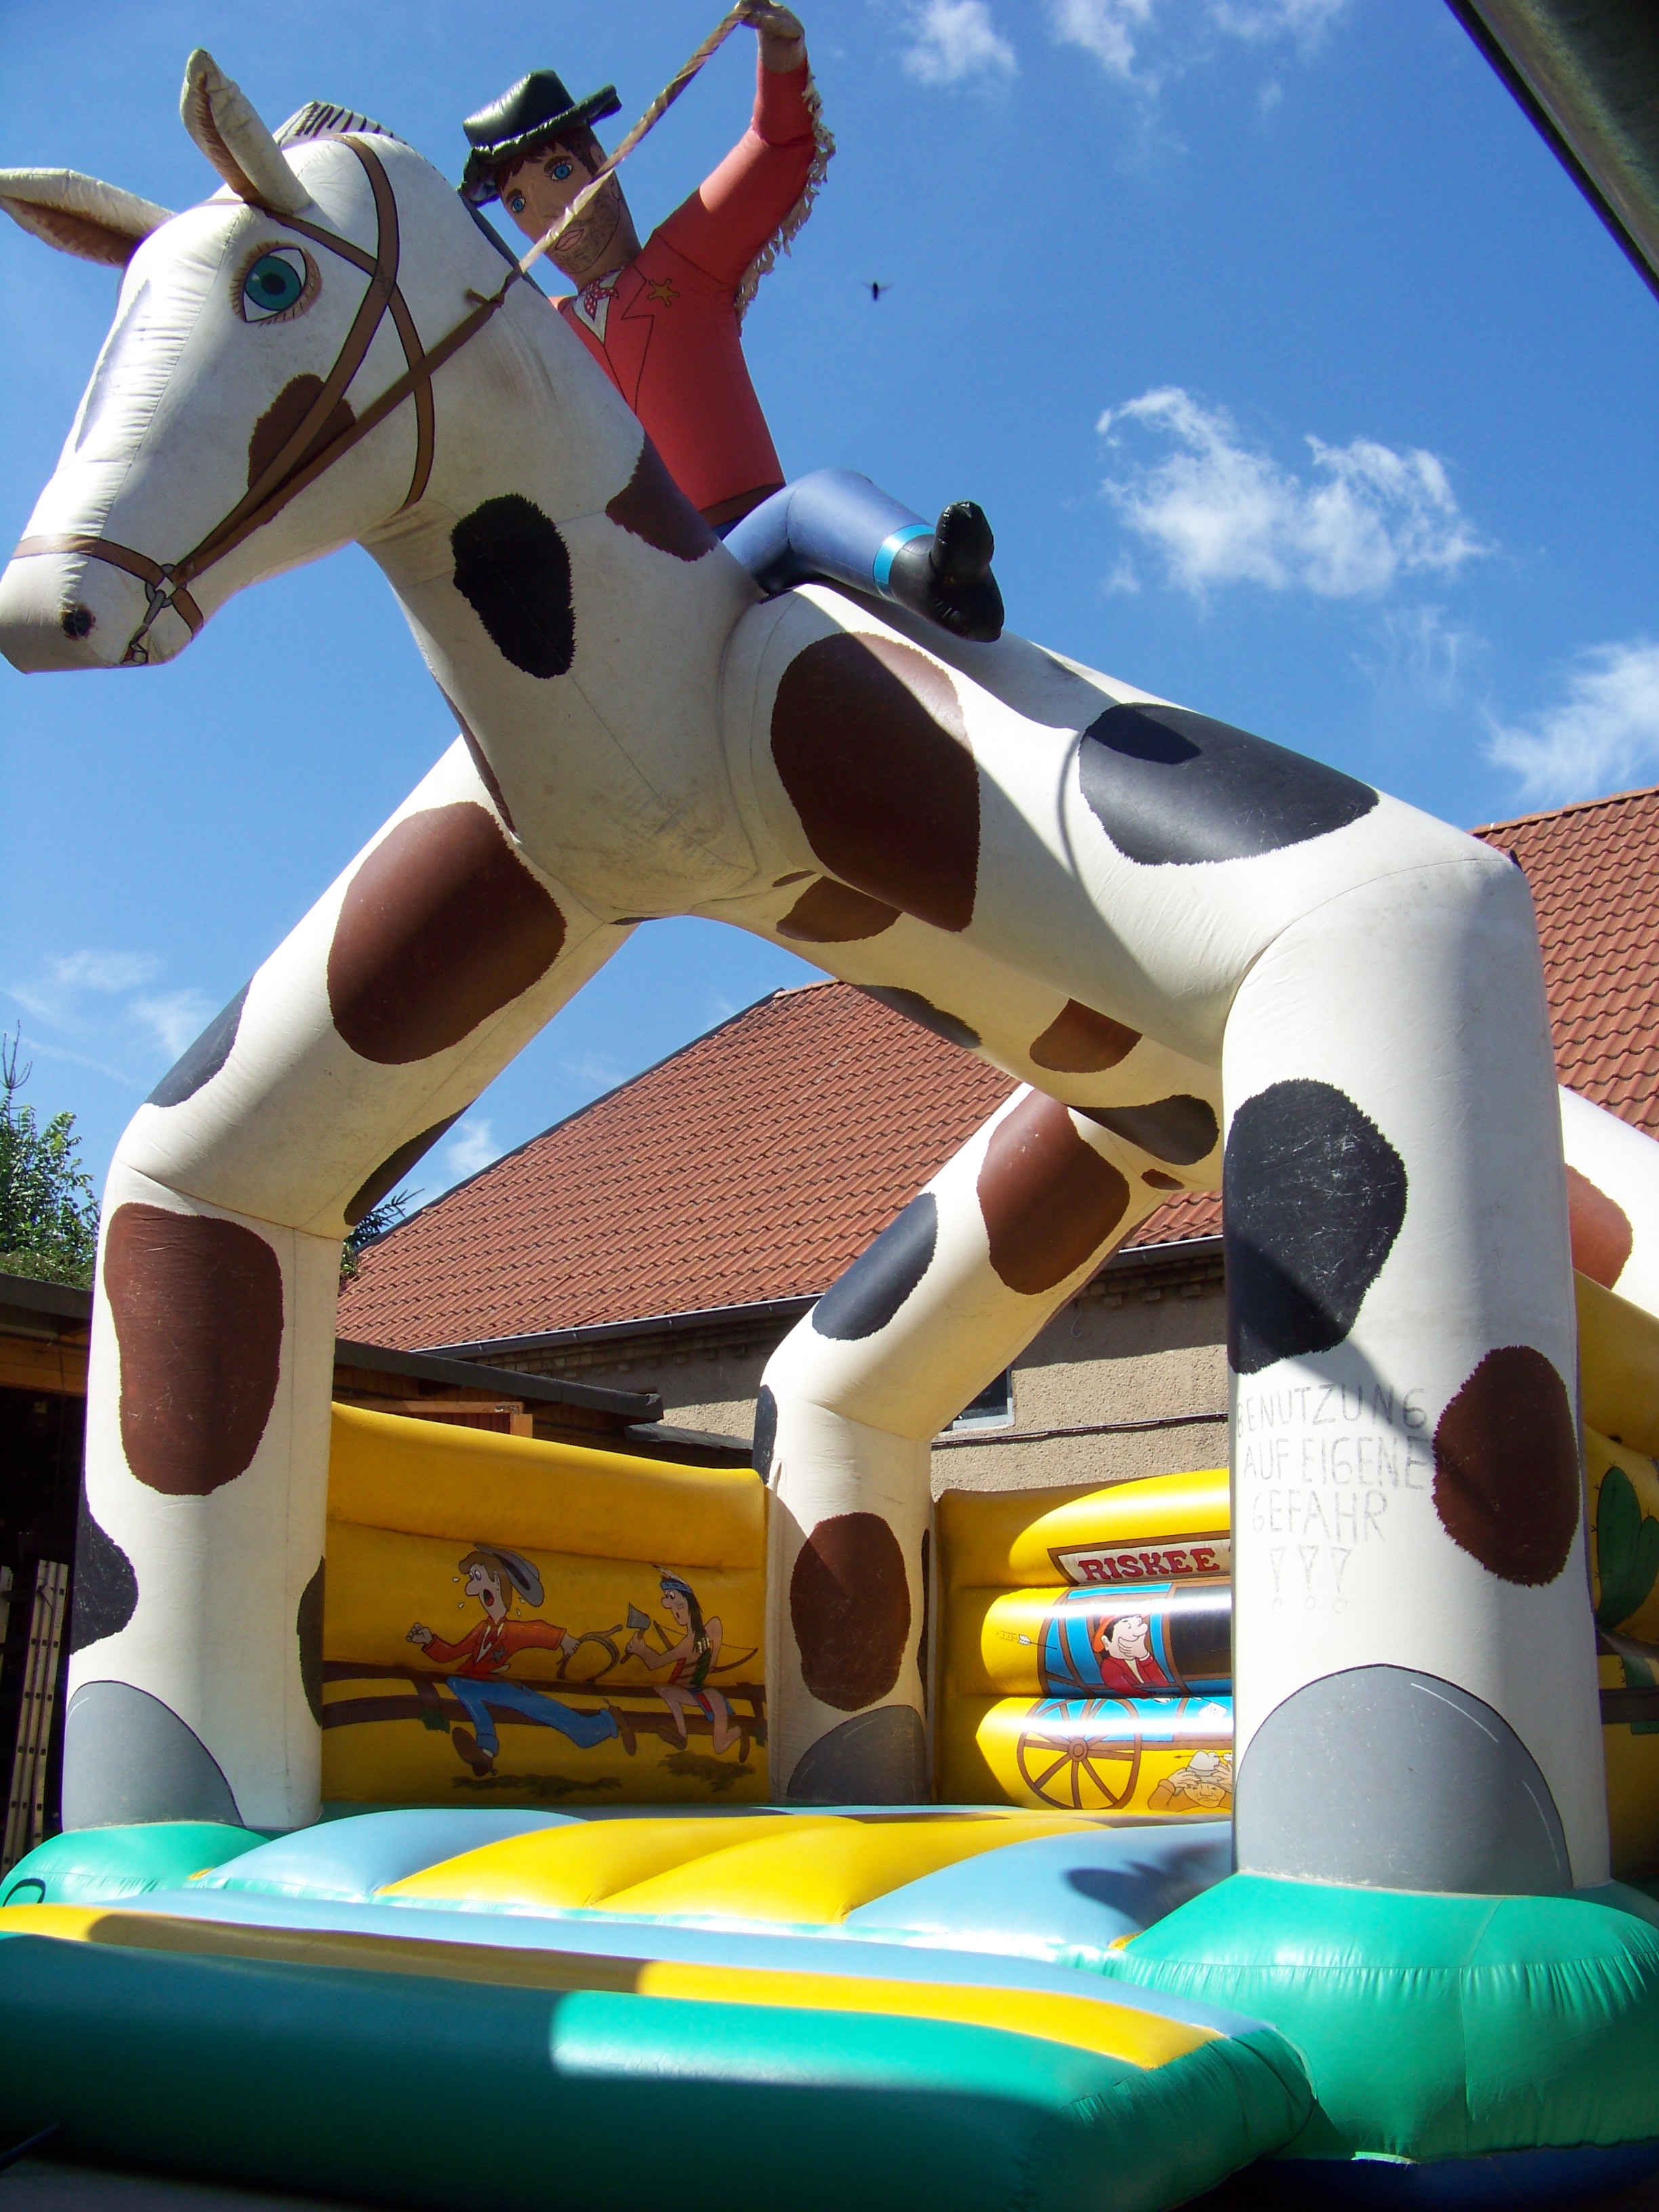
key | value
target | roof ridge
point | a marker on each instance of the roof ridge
(1572, 806)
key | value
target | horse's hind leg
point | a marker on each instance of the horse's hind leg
(195, 1683)
(946, 1296)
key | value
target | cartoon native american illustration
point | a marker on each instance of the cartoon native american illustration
(487, 1649)
(664, 320)
(688, 1660)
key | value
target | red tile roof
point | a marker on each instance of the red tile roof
(759, 1162)
(1591, 870)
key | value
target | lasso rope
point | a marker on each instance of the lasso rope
(653, 115)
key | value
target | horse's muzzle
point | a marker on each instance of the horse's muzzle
(67, 611)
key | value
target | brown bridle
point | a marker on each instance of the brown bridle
(308, 450)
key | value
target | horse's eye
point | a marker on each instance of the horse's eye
(279, 282)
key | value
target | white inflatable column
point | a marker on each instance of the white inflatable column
(1415, 1675)
(196, 1672)
(946, 1296)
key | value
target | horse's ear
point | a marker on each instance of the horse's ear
(80, 215)
(224, 123)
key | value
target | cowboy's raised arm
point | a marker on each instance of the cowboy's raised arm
(763, 187)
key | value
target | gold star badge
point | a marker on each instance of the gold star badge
(663, 291)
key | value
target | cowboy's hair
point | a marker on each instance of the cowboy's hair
(492, 1564)
(577, 139)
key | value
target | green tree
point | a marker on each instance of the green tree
(48, 1210)
(378, 1222)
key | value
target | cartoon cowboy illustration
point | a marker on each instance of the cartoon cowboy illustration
(487, 1651)
(688, 1661)
(1205, 1784)
(663, 320)
(1123, 1645)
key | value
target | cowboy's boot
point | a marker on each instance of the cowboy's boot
(946, 577)
(481, 1761)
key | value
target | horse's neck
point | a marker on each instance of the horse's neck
(533, 445)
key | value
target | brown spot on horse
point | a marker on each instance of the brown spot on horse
(1048, 1199)
(197, 1308)
(1080, 1041)
(441, 926)
(869, 740)
(849, 1605)
(1506, 1484)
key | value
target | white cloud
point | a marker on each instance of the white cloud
(1302, 19)
(595, 1067)
(175, 1018)
(103, 971)
(1602, 735)
(1105, 28)
(471, 1147)
(1220, 512)
(1425, 656)
(1119, 33)
(952, 41)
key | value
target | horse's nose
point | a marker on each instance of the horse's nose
(67, 611)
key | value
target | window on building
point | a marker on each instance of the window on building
(993, 1408)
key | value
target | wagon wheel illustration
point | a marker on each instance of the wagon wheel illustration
(603, 1637)
(1067, 1765)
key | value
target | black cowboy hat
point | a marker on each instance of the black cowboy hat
(539, 106)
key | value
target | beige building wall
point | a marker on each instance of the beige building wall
(1129, 1379)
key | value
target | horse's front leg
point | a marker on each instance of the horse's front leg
(195, 1683)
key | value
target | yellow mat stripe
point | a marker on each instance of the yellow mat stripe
(1085, 2023)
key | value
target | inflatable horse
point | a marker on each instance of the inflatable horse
(1168, 929)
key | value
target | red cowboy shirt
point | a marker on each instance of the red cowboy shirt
(1131, 1678)
(487, 1648)
(665, 329)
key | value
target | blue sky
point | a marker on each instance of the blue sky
(1297, 380)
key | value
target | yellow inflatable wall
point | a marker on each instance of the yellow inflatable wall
(514, 1622)
(600, 1617)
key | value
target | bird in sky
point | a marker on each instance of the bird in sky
(876, 290)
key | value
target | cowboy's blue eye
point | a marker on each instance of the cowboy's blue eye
(515, 205)
(275, 283)
(560, 171)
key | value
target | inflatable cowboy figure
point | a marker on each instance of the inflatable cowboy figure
(663, 320)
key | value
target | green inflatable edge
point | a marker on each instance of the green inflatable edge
(99, 1866)
(1433, 2027)
(424, 2093)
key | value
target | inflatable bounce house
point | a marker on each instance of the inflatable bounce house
(441, 1807)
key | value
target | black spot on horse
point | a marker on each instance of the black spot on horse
(924, 1014)
(1313, 1196)
(308, 1628)
(513, 569)
(106, 1586)
(1172, 789)
(392, 1170)
(202, 1061)
(766, 1433)
(1181, 1129)
(880, 1279)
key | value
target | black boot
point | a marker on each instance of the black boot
(947, 578)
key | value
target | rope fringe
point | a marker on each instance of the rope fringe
(783, 238)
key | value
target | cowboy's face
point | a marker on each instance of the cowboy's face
(539, 191)
(487, 1588)
(1130, 1638)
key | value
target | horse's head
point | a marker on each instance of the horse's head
(264, 394)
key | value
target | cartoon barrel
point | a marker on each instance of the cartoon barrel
(1172, 1756)
(1148, 1639)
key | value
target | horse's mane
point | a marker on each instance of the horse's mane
(317, 119)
